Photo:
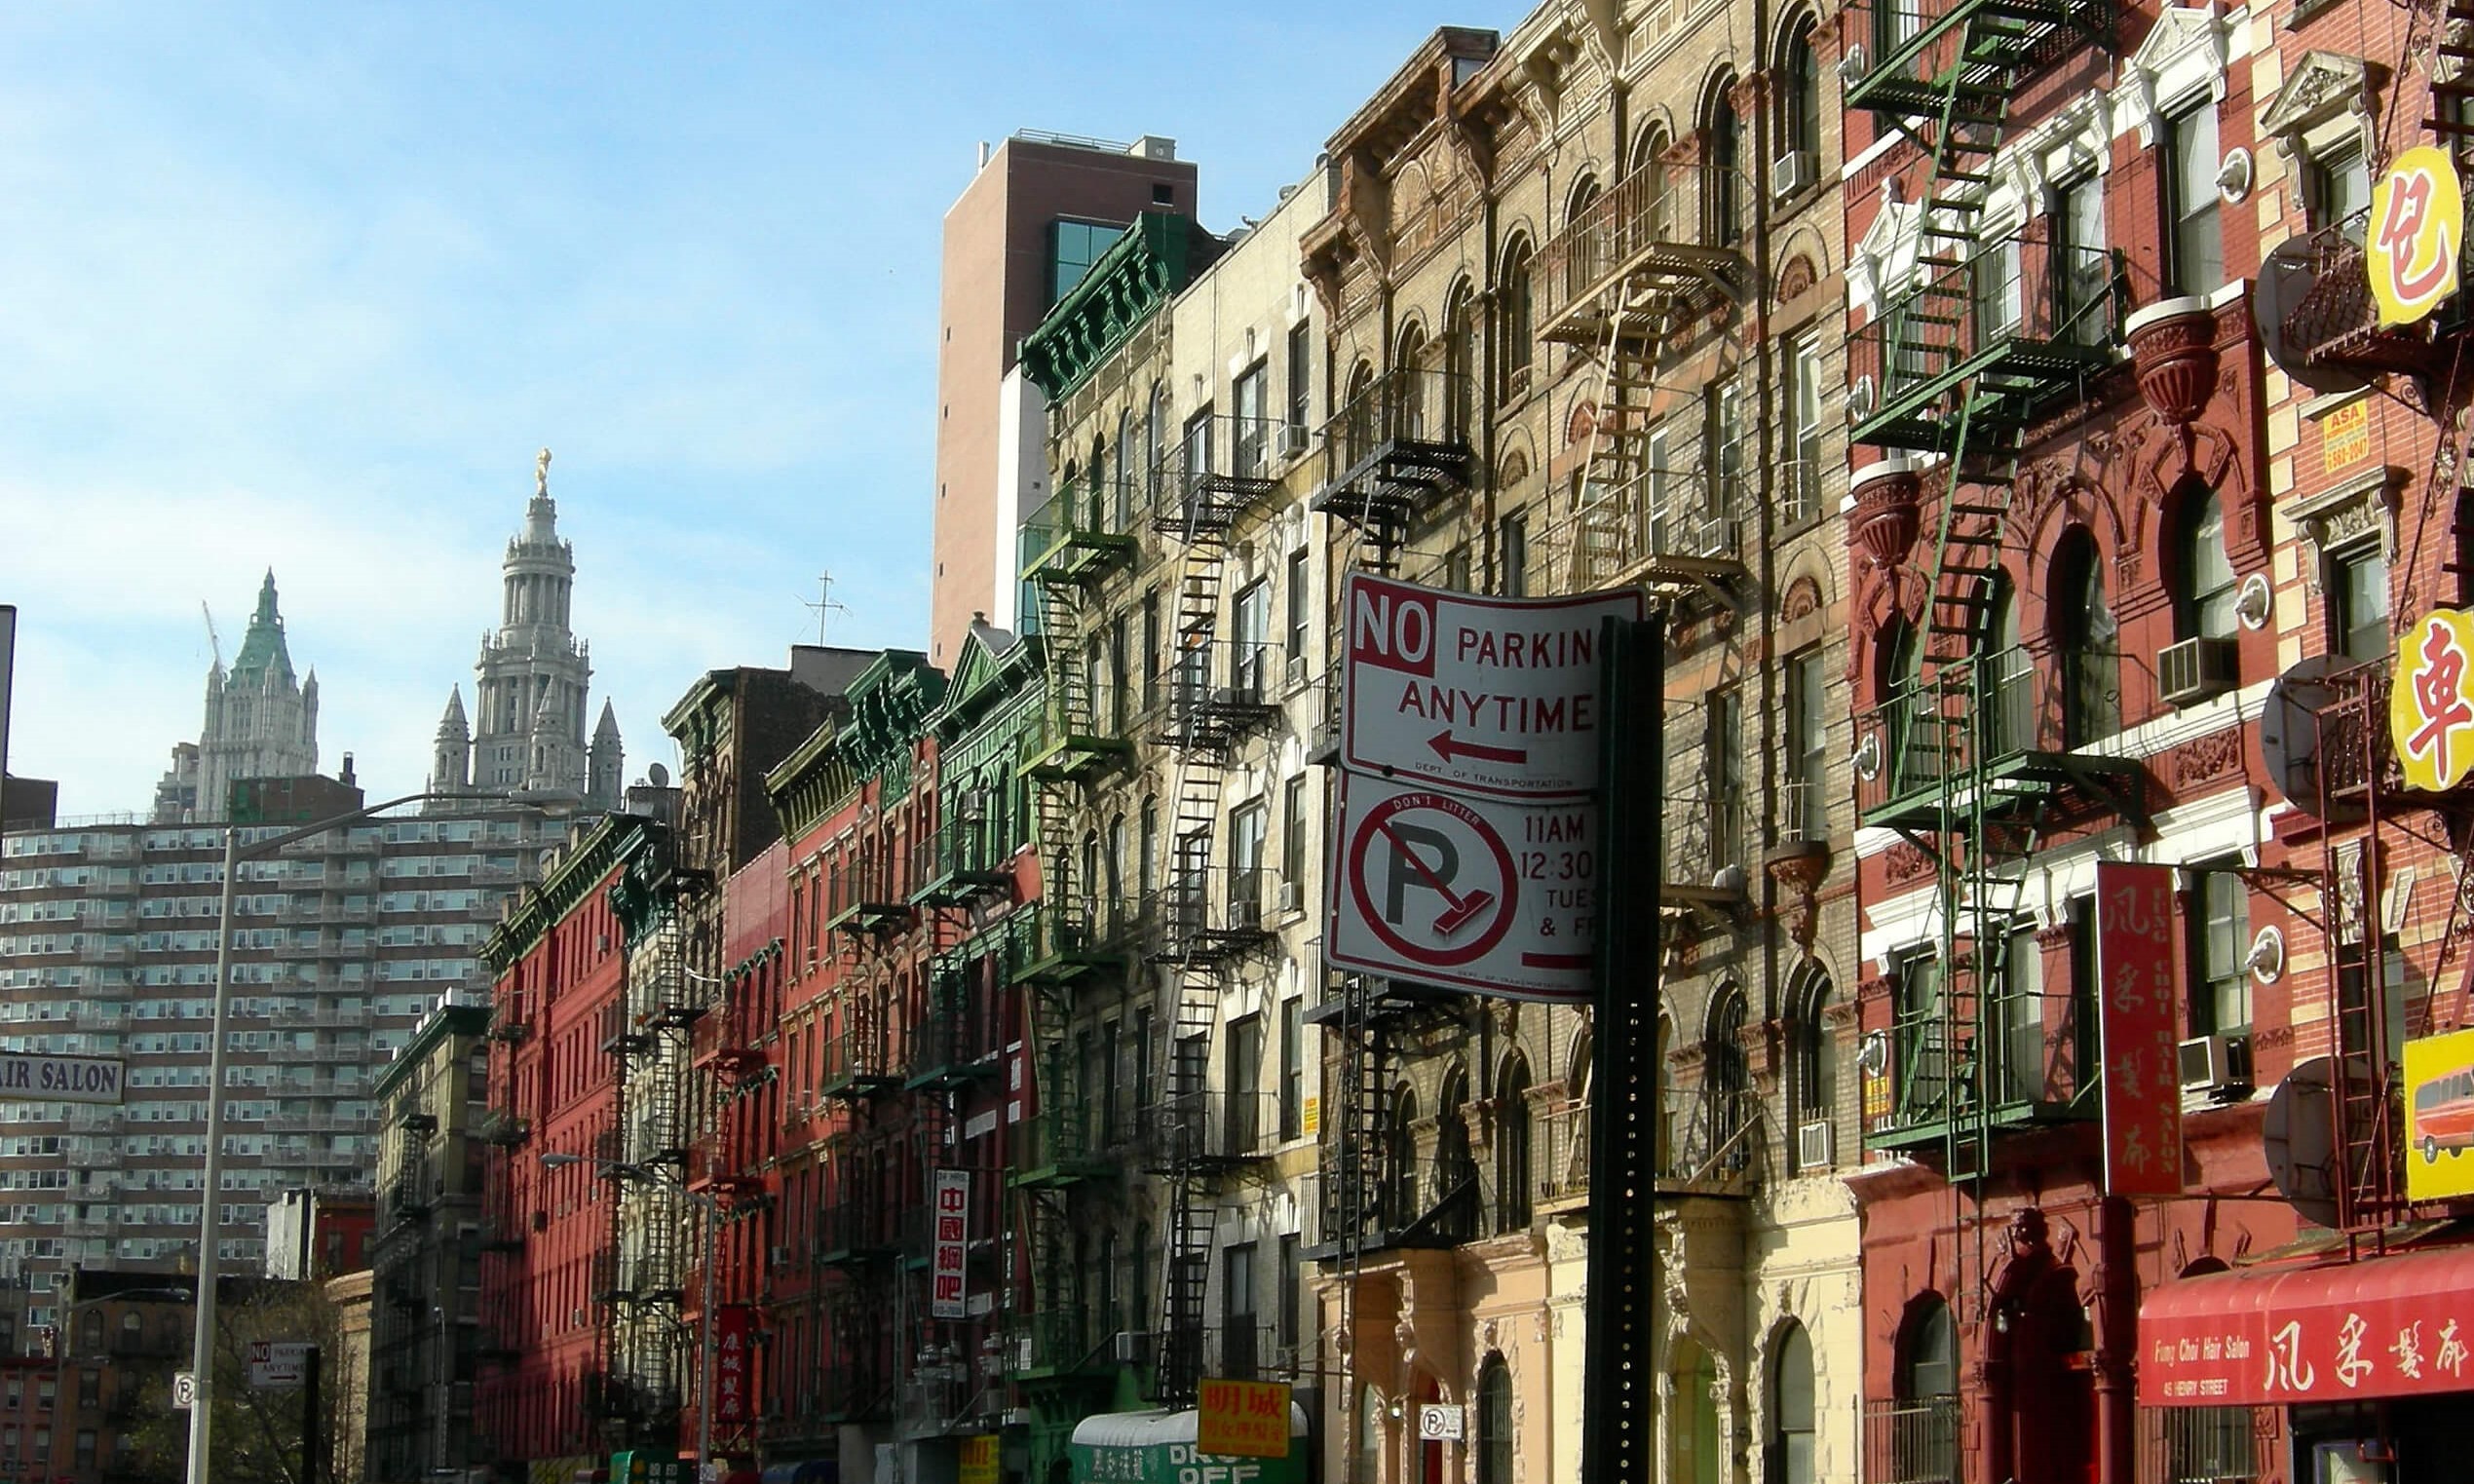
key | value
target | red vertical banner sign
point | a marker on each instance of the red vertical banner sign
(948, 1293)
(2138, 1021)
(733, 1328)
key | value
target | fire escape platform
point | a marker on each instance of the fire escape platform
(2018, 36)
(1078, 556)
(1393, 479)
(1930, 1130)
(2017, 379)
(2017, 783)
(1684, 278)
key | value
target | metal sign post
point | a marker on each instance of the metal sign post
(1616, 1394)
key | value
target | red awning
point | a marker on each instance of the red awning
(2399, 1325)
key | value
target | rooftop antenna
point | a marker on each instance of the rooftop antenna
(824, 604)
(212, 642)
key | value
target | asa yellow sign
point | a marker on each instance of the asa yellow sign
(2431, 704)
(2416, 224)
(1247, 1419)
(979, 1459)
(2439, 1116)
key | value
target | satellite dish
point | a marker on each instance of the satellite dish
(659, 776)
(2286, 275)
(2299, 1137)
(2289, 728)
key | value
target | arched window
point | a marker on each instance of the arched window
(1724, 183)
(1138, 1268)
(1401, 1162)
(1455, 1168)
(1799, 99)
(1117, 895)
(1358, 431)
(2203, 585)
(1693, 1424)
(1816, 1080)
(1095, 504)
(1512, 1183)
(1928, 1351)
(2088, 640)
(1655, 192)
(1121, 494)
(1086, 890)
(1154, 439)
(1791, 1407)
(1410, 404)
(1519, 334)
(1460, 362)
(1895, 672)
(2009, 682)
(1369, 1435)
(1494, 1421)
(1725, 1084)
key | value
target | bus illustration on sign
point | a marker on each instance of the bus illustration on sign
(2439, 1102)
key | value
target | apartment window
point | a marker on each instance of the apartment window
(2357, 587)
(1252, 394)
(1073, 247)
(1301, 375)
(2220, 940)
(1723, 770)
(1457, 569)
(1791, 1408)
(1800, 102)
(1245, 1084)
(1495, 1437)
(2197, 263)
(1142, 1099)
(1724, 188)
(1292, 1291)
(1197, 446)
(2338, 185)
(1726, 455)
(1513, 1180)
(1293, 834)
(1293, 1067)
(1237, 1314)
(1148, 841)
(2203, 606)
(1808, 748)
(1803, 393)
(2089, 641)
(2021, 1014)
(1150, 650)
(1120, 681)
(1514, 548)
(1519, 318)
(1249, 662)
(1246, 830)
(2085, 272)
(1301, 614)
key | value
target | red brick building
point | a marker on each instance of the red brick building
(561, 971)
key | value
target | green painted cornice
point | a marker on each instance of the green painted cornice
(579, 871)
(446, 1021)
(1140, 271)
(984, 680)
(804, 787)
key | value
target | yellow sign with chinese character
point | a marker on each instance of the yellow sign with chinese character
(1309, 1118)
(2416, 224)
(2431, 702)
(2345, 435)
(2439, 1117)
(1242, 1419)
(979, 1459)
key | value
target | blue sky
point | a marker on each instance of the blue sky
(306, 287)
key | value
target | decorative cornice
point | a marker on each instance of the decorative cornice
(1133, 278)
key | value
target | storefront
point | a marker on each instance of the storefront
(2315, 1372)
(1158, 1447)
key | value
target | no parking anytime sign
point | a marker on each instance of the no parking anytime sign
(1478, 894)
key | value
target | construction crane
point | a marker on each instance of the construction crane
(213, 642)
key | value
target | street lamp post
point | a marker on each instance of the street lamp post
(211, 1204)
(712, 1210)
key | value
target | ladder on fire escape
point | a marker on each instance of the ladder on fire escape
(1616, 480)
(1961, 385)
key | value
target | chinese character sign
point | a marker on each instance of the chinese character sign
(2439, 1113)
(1243, 1419)
(978, 1458)
(734, 1368)
(2431, 703)
(2410, 242)
(949, 1286)
(2138, 1024)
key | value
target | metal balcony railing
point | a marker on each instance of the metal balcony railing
(1559, 1156)
(1399, 437)
(1205, 913)
(1078, 535)
(1913, 1442)
(1218, 690)
(1714, 1139)
(1221, 467)
(1684, 219)
(1213, 1127)
(1677, 522)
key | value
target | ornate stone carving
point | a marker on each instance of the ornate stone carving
(1887, 499)
(2345, 512)
(2208, 757)
(1905, 862)
(1798, 869)
(1801, 601)
(1797, 279)
(2173, 350)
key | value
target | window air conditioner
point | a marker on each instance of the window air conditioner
(1296, 671)
(1294, 439)
(1133, 1347)
(2197, 670)
(1816, 1145)
(1292, 897)
(1793, 171)
(2208, 1064)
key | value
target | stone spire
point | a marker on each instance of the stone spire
(261, 721)
(451, 761)
(534, 675)
(608, 767)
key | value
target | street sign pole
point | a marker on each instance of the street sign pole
(309, 1416)
(1623, 1154)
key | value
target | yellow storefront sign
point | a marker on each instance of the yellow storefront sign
(1247, 1419)
(2344, 437)
(2431, 704)
(2439, 1117)
(2416, 224)
(979, 1459)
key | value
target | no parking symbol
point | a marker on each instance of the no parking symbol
(1481, 894)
